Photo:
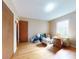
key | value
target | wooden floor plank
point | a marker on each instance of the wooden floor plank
(32, 51)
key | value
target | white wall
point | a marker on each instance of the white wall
(36, 26)
(72, 25)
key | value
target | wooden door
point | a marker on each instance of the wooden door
(7, 32)
(23, 31)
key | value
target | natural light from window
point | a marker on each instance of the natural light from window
(62, 28)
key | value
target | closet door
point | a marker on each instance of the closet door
(23, 31)
(7, 32)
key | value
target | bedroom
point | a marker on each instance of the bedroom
(40, 22)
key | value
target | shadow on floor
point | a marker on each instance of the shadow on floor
(54, 49)
(41, 45)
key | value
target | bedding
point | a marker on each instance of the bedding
(47, 40)
(38, 37)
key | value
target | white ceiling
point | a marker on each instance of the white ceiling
(35, 9)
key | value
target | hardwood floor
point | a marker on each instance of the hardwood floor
(32, 51)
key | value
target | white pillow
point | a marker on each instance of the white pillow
(38, 35)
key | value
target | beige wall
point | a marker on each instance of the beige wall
(36, 26)
(72, 25)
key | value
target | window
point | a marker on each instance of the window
(62, 28)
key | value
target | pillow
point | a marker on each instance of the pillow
(38, 35)
(43, 35)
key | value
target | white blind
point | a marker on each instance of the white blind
(62, 28)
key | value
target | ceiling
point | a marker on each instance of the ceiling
(36, 9)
